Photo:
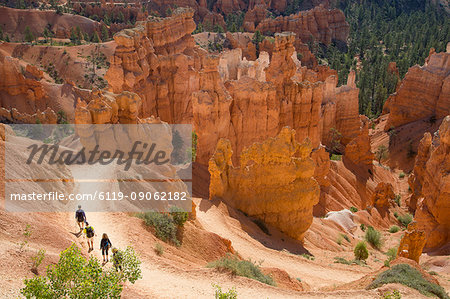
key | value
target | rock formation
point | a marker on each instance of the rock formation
(415, 180)
(227, 96)
(322, 24)
(382, 196)
(358, 151)
(19, 81)
(274, 182)
(412, 243)
(424, 92)
(432, 214)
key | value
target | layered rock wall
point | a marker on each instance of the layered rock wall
(424, 92)
(433, 211)
(324, 25)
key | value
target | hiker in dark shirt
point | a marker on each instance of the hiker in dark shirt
(80, 216)
(105, 244)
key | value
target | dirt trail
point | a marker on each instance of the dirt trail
(168, 277)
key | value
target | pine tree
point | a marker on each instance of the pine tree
(73, 36)
(29, 36)
(105, 33)
(79, 35)
(95, 37)
(1, 33)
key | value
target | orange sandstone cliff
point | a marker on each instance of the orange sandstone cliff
(433, 208)
(423, 93)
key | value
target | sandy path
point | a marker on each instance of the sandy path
(316, 275)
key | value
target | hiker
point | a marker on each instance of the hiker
(105, 244)
(90, 233)
(117, 259)
(80, 216)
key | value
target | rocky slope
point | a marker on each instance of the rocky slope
(14, 21)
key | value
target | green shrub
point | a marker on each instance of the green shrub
(432, 273)
(159, 249)
(401, 175)
(76, 277)
(339, 239)
(408, 276)
(393, 229)
(395, 214)
(345, 237)
(241, 268)
(363, 227)
(361, 253)
(353, 209)
(219, 294)
(262, 226)
(299, 279)
(341, 260)
(37, 260)
(179, 216)
(165, 227)
(387, 263)
(395, 294)
(308, 256)
(335, 157)
(397, 199)
(405, 219)
(392, 253)
(373, 237)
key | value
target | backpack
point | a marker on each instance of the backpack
(89, 232)
(79, 214)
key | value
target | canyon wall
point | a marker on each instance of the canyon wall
(274, 183)
(433, 206)
(424, 93)
(319, 23)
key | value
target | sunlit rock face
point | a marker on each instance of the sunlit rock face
(274, 182)
(225, 95)
(412, 243)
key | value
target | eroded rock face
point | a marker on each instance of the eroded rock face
(433, 211)
(358, 151)
(383, 194)
(274, 182)
(226, 95)
(323, 24)
(412, 243)
(20, 80)
(415, 180)
(423, 93)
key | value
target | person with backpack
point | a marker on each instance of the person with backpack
(80, 216)
(105, 244)
(90, 233)
(117, 259)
